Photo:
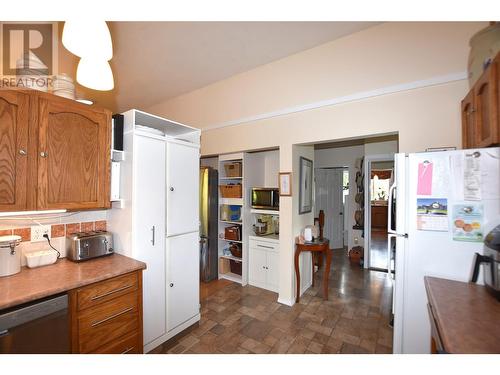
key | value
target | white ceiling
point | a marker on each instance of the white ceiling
(155, 61)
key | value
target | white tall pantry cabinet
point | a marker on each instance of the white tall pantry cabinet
(157, 220)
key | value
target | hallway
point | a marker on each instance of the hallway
(378, 249)
(237, 319)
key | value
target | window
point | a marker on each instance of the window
(380, 184)
(345, 184)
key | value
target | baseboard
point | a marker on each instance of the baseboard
(160, 340)
(287, 302)
(291, 302)
(305, 287)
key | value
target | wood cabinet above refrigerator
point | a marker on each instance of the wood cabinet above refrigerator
(481, 110)
(54, 154)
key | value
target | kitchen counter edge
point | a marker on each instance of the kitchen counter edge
(32, 284)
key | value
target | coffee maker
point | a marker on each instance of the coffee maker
(491, 259)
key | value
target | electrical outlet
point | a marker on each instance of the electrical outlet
(37, 232)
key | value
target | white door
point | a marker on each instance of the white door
(182, 188)
(273, 273)
(257, 263)
(183, 279)
(149, 231)
(329, 198)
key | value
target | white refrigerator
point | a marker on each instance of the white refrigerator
(444, 203)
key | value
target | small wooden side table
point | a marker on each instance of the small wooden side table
(316, 246)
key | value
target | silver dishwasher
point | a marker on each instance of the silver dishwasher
(37, 327)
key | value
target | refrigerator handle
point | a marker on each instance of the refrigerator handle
(389, 209)
(389, 254)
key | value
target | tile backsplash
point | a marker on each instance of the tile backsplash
(60, 225)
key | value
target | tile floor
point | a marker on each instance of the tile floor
(237, 319)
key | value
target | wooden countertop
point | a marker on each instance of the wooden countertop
(33, 283)
(466, 315)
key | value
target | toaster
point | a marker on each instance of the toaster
(88, 245)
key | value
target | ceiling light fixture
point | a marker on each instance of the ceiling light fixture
(88, 39)
(95, 74)
(91, 41)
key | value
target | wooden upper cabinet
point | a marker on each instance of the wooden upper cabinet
(14, 151)
(468, 131)
(73, 155)
(485, 106)
(480, 110)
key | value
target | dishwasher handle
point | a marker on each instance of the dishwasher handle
(22, 315)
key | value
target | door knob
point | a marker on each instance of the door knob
(43, 154)
(171, 188)
(171, 285)
(22, 152)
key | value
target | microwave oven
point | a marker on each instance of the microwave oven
(266, 198)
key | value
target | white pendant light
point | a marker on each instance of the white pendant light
(88, 39)
(95, 74)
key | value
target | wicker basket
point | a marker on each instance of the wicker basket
(224, 265)
(230, 191)
(235, 267)
(235, 250)
(233, 169)
(232, 233)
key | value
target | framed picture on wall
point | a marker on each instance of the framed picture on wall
(285, 184)
(305, 185)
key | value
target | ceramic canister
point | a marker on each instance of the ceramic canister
(10, 255)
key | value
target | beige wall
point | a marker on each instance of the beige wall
(382, 56)
(300, 221)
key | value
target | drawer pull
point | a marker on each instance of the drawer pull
(266, 247)
(94, 324)
(94, 298)
(128, 350)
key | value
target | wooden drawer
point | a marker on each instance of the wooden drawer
(104, 291)
(129, 344)
(264, 245)
(107, 322)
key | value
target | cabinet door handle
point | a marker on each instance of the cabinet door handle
(110, 292)
(22, 152)
(171, 285)
(153, 235)
(94, 324)
(172, 188)
(266, 247)
(44, 154)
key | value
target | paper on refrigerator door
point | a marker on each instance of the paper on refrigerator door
(490, 174)
(457, 176)
(424, 184)
(432, 214)
(468, 222)
(433, 177)
(472, 178)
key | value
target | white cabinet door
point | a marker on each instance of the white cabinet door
(183, 279)
(183, 166)
(257, 264)
(149, 231)
(273, 273)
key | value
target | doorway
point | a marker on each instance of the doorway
(379, 176)
(332, 191)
